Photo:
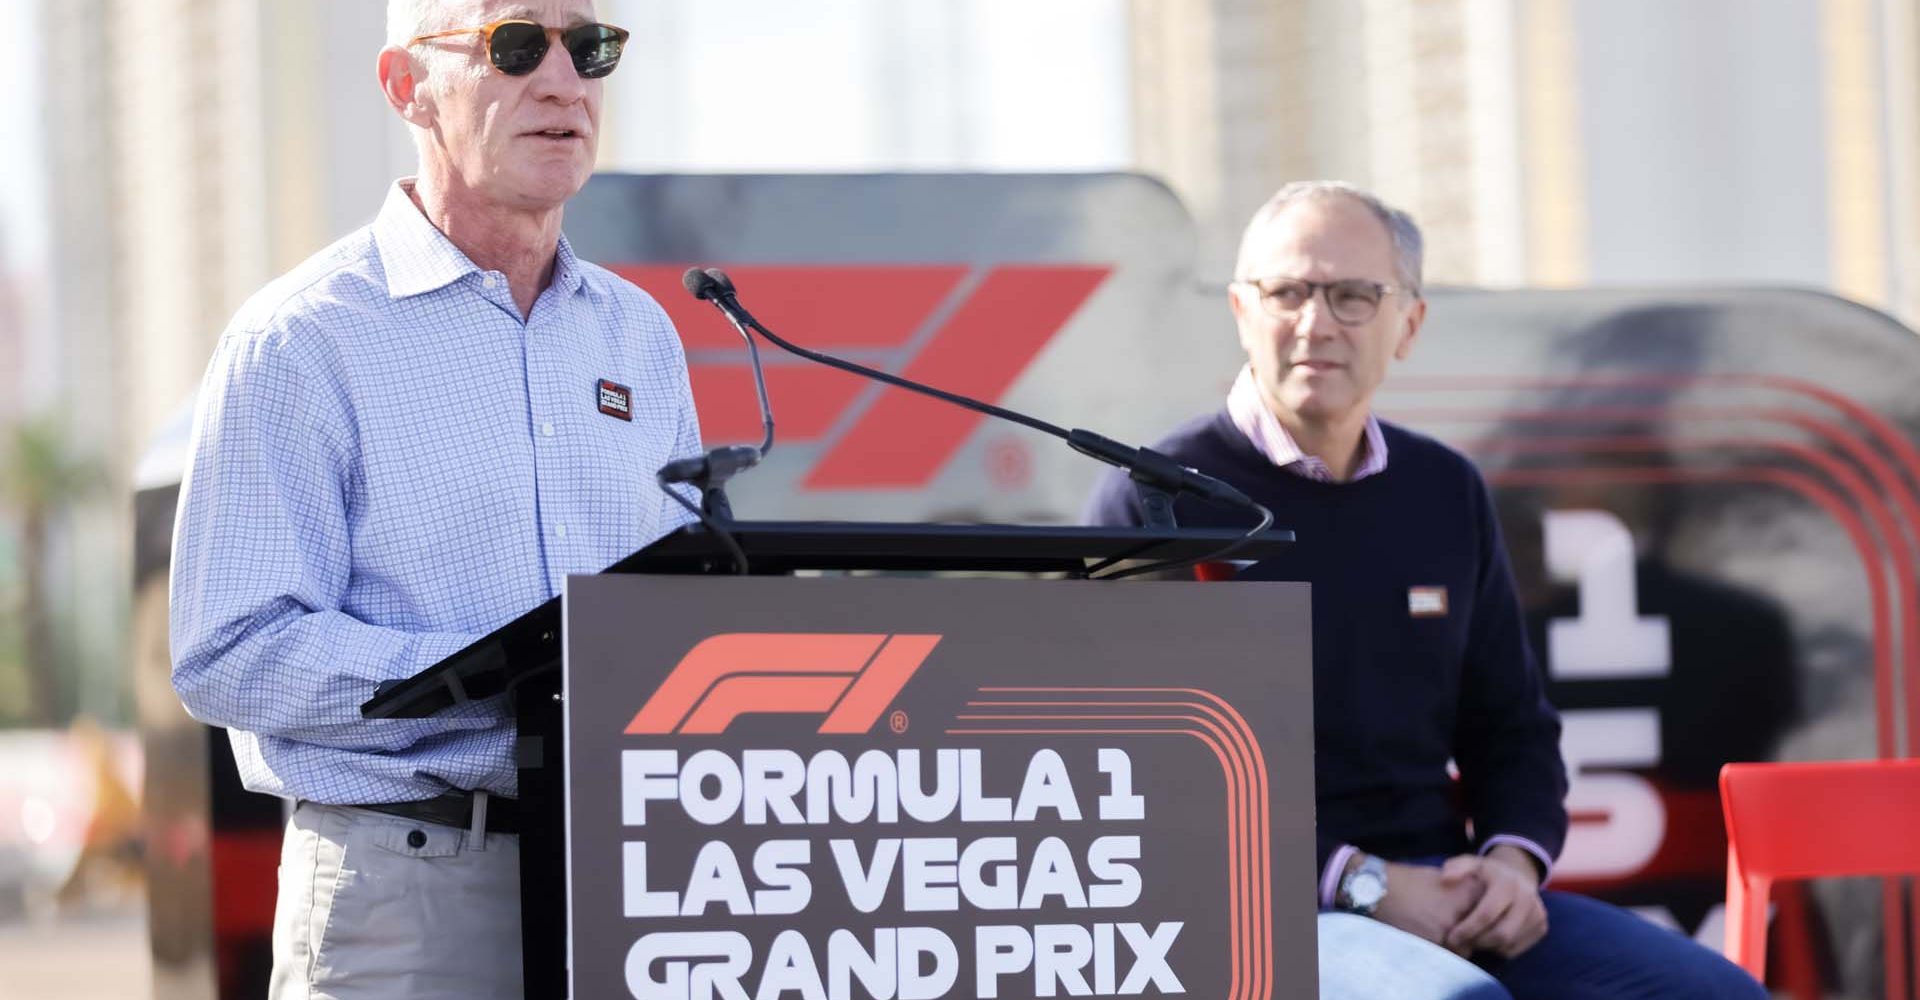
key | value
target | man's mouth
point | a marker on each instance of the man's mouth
(555, 133)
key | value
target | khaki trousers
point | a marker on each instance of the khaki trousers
(375, 906)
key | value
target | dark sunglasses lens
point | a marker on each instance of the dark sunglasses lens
(595, 49)
(518, 47)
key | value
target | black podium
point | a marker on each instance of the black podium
(522, 659)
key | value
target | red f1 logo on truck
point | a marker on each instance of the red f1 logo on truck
(965, 328)
(849, 678)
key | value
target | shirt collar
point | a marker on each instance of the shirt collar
(568, 275)
(418, 257)
(1250, 414)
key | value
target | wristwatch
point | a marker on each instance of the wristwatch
(1363, 886)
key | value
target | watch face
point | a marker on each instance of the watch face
(1366, 890)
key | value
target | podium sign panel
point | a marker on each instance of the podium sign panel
(899, 788)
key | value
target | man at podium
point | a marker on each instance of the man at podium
(1419, 650)
(400, 445)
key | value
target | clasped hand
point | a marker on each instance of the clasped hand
(1470, 904)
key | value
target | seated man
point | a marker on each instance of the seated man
(1419, 652)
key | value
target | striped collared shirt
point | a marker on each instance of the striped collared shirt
(389, 462)
(1250, 413)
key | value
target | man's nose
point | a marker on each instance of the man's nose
(555, 78)
(1315, 318)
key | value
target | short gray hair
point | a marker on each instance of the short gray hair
(1409, 247)
(407, 20)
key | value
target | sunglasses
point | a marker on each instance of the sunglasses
(517, 46)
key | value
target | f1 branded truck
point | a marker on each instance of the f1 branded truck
(1711, 498)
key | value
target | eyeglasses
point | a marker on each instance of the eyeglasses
(1350, 300)
(517, 46)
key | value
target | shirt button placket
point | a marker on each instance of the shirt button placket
(542, 398)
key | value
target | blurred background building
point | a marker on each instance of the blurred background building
(1559, 142)
(168, 157)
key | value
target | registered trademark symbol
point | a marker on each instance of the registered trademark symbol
(1009, 463)
(897, 721)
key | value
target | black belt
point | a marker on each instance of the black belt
(455, 809)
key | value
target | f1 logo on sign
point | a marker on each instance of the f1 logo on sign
(964, 329)
(849, 678)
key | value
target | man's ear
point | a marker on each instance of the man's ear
(400, 82)
(1415, 316)
(1241, 298)
(1239, 306)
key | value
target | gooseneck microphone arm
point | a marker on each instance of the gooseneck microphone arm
(700, 286)
(1154, 474)
(710, 472)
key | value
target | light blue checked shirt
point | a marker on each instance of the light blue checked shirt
(387, 463)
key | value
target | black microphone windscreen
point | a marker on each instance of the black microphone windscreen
(721, 282)
(698, 283)
(681, 470)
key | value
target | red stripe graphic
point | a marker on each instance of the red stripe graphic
(1202, 716)
(873, 311)
(905, 439)
(817, 306)
(806, 400)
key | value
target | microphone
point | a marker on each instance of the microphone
(712, 470)
(715, 285)
(1154, 474)
(705, 287)
(715, 467)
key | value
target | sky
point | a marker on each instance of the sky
(873, 85)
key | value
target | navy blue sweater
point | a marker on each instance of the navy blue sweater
(1395, 694)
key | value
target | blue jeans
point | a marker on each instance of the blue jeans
(1592, 951)
(1364, 959)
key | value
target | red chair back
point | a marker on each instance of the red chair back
(1795, 821)
(1815, 820)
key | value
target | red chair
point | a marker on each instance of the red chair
(1800, 821)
